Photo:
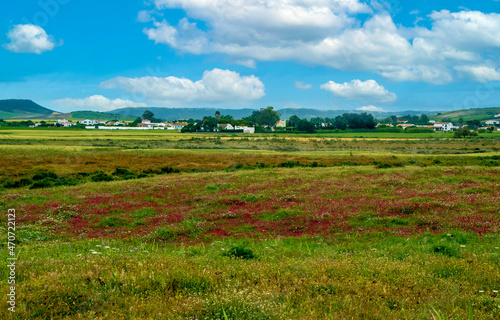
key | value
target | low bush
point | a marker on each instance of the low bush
(240, 252)
(100, 176)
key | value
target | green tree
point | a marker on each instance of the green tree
(293, 121)
(136, 122)
(306, 126)
(424, 119)
(209, 123)
(148, 115)
(217, 114)
(340, 123)
(267, 117)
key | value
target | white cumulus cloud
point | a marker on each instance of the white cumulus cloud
(28, 38)
(223, 86)
(370, 108)
(368, 90)
(97, 103)
(330, 33)
(480, 73)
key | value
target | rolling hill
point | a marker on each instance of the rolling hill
(94, 115)
(22, 109)
(467, 114)
(198, 113)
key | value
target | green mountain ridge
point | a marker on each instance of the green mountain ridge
(22, 108)
(17, 109)
(480, 114)
(198, 113)
(95, 115)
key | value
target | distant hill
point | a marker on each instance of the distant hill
(467, 114)
(198, 113)
(170, 114)
(286, 113)
(94, 115)
(25, 109)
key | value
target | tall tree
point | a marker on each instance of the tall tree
(424, 119)
(148, 115)
(209, 123)
(268, 117)
(293, 121)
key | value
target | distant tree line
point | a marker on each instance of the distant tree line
(19, 124)
(354, 121)
(263, 119)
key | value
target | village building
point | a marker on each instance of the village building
(64, 123)
(443, 126)
(493, 122)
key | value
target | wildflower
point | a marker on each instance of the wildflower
(449, 234)
(462, 245)
(481, 291)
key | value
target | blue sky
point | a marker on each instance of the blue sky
(389, 55)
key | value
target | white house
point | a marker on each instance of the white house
(148, 123)
(245, 129)
(281, 124)
(88, 122)
(64, 123)
(494, 122)
(405, 125)
(225, 126)
(443, 126)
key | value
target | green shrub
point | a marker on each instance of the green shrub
(290, 164)
(240, 252)
(445, 250)
(384, 165)
(44, 183)
(124, 174)
(167, 170)
(44, 175)
(17, 184)
(100, 176)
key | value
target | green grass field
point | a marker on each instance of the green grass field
(162, 225)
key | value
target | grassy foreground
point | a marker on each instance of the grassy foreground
(150, 225)
(394, 278)
(326, 243)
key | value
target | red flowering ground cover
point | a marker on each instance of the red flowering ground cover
(325, 202)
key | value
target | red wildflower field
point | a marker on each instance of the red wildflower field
(326, 202)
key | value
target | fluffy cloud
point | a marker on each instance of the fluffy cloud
(97, 102)
(302, 85)
(222, 86)
(327, 32)
(28, 38)
(480, 73)
(370, 108)
(368, 90)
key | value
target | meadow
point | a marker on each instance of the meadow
(161, 225)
